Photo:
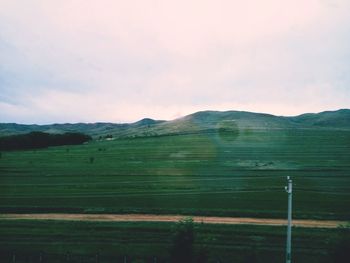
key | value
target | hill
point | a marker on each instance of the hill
(204, 121)
(332, 119)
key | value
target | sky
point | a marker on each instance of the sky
(121, 61)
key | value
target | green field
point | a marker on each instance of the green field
(198, 165)
(240, 173)
(59, 241)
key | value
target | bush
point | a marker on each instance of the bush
(340, 252)
(183, 239)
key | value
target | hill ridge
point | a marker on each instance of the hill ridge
(195, 122)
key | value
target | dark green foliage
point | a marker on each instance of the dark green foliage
(202, 255)
(36, 140)
(341, 248)
(183, 242)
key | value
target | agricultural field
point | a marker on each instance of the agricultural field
(65, 241)
(215, 172)
(198, 165)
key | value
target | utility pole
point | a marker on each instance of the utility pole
(289, 228)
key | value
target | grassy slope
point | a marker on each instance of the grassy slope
(241, 174)
(200, 121)
(143, 241)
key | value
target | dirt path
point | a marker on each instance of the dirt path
(175, 218)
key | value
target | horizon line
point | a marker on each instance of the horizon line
(121, 123)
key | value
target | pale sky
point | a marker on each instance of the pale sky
(120, 61)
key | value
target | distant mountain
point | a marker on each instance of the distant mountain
(335, 119)
(204, 121)
(89, 128)
(146, 121)
(92, 129)
(212, 120)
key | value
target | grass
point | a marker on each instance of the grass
(215, 173)
(240, 173)
(141, 242)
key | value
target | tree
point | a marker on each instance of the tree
(183, 239)
(340, 252)
(202, 255)
(37, 140)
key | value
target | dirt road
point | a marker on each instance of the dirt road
(175, 218)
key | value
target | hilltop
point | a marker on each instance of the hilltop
(203, 121)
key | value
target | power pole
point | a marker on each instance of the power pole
(289, 228)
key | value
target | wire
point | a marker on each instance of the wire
(113, 194)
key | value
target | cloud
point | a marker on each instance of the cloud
(161, 59)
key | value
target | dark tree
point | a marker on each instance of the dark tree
(183, 239)
(202, 255)
(340, 252)
(36, 140)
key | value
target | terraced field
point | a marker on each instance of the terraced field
(209, 173)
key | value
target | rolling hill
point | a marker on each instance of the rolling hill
(204, 121)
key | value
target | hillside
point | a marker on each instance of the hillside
(204, 121)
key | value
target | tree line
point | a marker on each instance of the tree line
(37, 140)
